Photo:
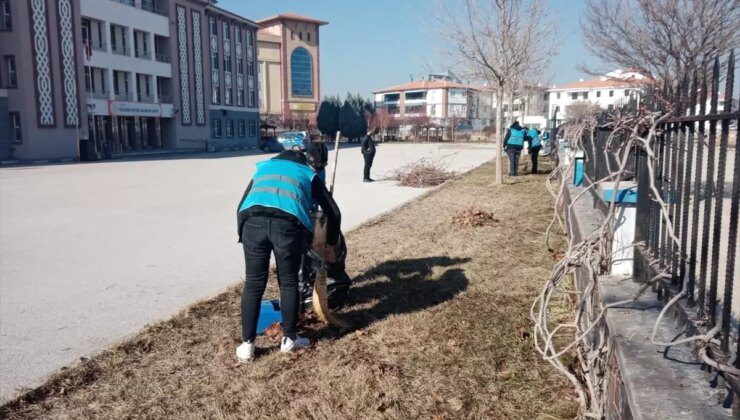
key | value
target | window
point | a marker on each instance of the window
(88, 87)
(574, 95)
(15, 127)
(238, 34)
(86, 32)
(229, 128)
(292, 35)
(558, 95)
(216, 95)
(212, 27)
(308, 36)
(250, 85)
(216, 128)
(252, 129)
(7, 19)
(585, 95)
(300, 36)
(11, 76)
(301, 76)
(240, 97)
(227, 96)
(598, 94)
(611, 93)
(241, 129)
(626, 92)
(410, 96)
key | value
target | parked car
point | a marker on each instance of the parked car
(294, 140)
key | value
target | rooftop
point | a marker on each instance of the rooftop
(291, 16)
(424, 84)
(615, 79)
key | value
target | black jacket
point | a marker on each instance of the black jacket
(368, 146)
(319, 193)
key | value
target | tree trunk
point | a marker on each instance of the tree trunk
(498, 143)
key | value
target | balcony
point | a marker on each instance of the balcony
(146, 99)
(121, 50)
(123, 97)
(162, 58)
(146, 55)
(98, 94)
(151, 6)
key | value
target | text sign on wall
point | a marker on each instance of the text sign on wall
(134, 109)
(302, 106)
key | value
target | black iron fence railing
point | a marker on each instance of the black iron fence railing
(696, 173)
(698, 177)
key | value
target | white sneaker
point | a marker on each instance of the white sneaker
(289, 345)
(245, 351)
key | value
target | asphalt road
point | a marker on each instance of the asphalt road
(91, 253)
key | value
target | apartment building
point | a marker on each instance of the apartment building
(112, 77)
(611, 90)
(289, 72)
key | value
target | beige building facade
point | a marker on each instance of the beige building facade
(289, 66)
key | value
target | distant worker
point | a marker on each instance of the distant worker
(368, 152)
(274, 217)
(535, 144)
(514, 143)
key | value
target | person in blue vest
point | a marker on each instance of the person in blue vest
(514, 143)
(274, 217)
(535, 144)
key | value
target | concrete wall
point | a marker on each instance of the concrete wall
(48, 141)
(6, 141)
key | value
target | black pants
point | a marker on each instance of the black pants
(513, 160)
(368, 165)
(534, 153)
(260, 236)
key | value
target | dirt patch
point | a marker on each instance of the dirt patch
(439, 330)
(422, 173)
(474, 217)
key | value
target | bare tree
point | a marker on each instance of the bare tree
(663, 39)
(581, 111)
(501, 42)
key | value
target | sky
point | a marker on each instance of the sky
(372, 44)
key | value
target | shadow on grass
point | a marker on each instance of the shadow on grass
(399, 287)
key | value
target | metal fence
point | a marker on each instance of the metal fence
(697, 174)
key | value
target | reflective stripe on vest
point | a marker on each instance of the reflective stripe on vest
(516, 138)
(283, 185)
(535, 138)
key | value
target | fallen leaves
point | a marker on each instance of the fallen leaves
(274, 331)
(474, 217)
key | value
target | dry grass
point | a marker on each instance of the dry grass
(440, 322)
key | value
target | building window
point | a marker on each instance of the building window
(240, 97)
(7, 19)
(598, 94)
(292, 35)
(300, 72)
(252, 129)
(11, 75)
(227, 95)
(216, 95)
(250, 86)
(216, 128)
(585, 95)
(300, 36)
(230, 128)
(15, 127)
(241, 131)
(611, 93)
(574, 95)
(558, 95)
(212, 26)
(308, 36)
(88, 81)
(626, 92)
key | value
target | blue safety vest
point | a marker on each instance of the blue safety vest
(516, 137)
(284, 185)
(535, 138)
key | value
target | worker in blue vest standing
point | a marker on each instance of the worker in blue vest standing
(274, 217)
(535, 144)
(514, 143)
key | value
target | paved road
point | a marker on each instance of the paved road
(90, 253)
